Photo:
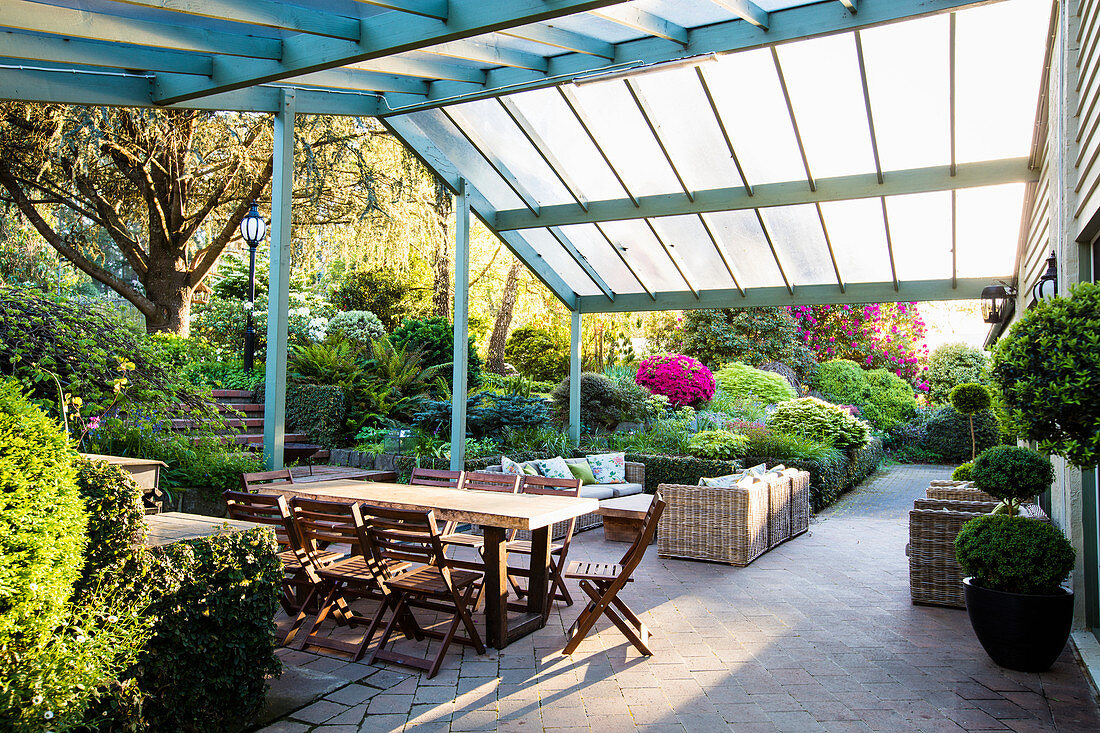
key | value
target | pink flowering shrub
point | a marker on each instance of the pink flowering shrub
(685, 381)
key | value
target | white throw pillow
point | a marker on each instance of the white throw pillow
(510, 467)
(721, 481)
(757, 470)
(608, 468)
(555, 467)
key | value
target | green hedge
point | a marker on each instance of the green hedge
(679, 469)
(319, 411)
(832, 476)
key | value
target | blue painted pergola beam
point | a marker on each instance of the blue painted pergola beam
(265, 13)
(909, 290)
(787, 193)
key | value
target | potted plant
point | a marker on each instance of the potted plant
(970, 399)
(1015, 565)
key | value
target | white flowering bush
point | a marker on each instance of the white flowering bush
(360, 327)
(222, 322)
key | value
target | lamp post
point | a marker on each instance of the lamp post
(253, 230)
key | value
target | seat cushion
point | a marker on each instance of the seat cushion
(626, 489)
(597, 491)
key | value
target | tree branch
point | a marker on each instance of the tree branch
(205, 259)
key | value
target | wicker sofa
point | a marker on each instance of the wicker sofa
(734, 525)
(935, 577)
(635, 484)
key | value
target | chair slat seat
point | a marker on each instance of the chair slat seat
(464, 539)
(582, 570)
(323, 557)
(429, 580)
(355, 569)
(523, 547)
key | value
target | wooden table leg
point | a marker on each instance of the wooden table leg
(496, 588)
(538, 586)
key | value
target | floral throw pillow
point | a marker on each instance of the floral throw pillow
(555, 468)
(608, 468)
(510, 467)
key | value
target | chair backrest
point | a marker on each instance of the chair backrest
(320, 523)
(637, 549)
(266, 478)
(433, 477)
(271, 509)
(485, 481)
(547, 486)
(403, 536)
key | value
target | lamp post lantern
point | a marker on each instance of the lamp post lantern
(1047, 287)
(253, 230)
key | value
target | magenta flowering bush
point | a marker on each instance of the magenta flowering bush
(685, 381)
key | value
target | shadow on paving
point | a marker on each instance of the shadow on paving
(816, 635)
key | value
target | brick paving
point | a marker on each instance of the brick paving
(817, 635)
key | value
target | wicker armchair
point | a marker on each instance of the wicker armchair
(733, 525)
(935, 577)
(958, 491)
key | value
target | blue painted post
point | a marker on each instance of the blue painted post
(575, 379)
(461, 328)
(278, 292)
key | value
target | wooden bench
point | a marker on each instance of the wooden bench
(624, 517)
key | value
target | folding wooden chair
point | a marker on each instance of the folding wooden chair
(481, 481)
(273, 510)
(433, 477)
(398, 538)
(263, 479)
(335, 523)
(603, 581)
(545, 486)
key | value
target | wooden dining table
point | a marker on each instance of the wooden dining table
(496, 513)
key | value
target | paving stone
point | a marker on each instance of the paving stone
(352, 694)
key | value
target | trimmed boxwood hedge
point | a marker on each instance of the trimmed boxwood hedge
(679, 469)
(831, 477)
(318, 410)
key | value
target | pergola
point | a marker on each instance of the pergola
(635, 155)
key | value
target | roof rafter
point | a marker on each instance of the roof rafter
(655, 129)
(560, 38)
(747, 11)
(490, 52)
(788, 193)
(438, 9)
(674, 256)
(382, 35)
(620, 250)
(107, 55)
(581, 261)
(586, 123)
(545, 151)
(264, 13)
(645, 22)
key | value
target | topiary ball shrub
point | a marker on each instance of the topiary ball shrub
(965, 472)
(820, 420)
(359, 327)
(601, 402)
(434, 338)
(685, 381)
(1048, 369)
(718, 444)
(743, 381)
(537, 353)
(1014, 554)
(947, 434)
(970, 398)
(1012, 474)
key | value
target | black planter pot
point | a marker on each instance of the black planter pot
(1021, 632)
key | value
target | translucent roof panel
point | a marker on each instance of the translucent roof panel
(908, 84)
(645, 254)
(858, 233)
(602, 255)
(747, 248)
(797, 234)
(987, 244)
(920, 229)
(702, 262)
(828, 104)
(557, 257)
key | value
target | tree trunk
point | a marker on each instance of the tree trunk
(441, 285)
(495, 361)
(973, 441)
(167, 285)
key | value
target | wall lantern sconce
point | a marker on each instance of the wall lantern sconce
(253, 230)
(1047, 287)
(995, 302)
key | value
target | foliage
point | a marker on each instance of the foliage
(1012, 474)
(947, 434)
(41, 523)
(434, 337)
(951, 365)
(319, 411)
(516, 384)
(397, 383)
(83, 345)
(223, 375)
(741, 407)
(820, 420)
(740, 380)
(686, 470)
(1014, 554)
(778, 367)
(752, 336)
(537, 353)
(844, 382)
(832, 472)
(720, 444)
(668, 435)
(114, 557)
(970, 398)
(214, 601)
(542, 439)
(381, 291)
(604, 402)
(892, 400)
(763, 441)
(222, 322)
(685, 381)
(1048, 369)
(330, 364)
(965, 472)
(358, 327)
(873, 335)
(487, 414)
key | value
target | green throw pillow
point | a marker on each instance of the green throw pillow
(582, 471)
(529, 470)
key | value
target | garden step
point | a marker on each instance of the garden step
(233, 394)
(246, 407)
(231, 423)
(258, 438)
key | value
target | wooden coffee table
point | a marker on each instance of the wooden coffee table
(623, 517)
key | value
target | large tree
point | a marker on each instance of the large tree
(169, 188)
